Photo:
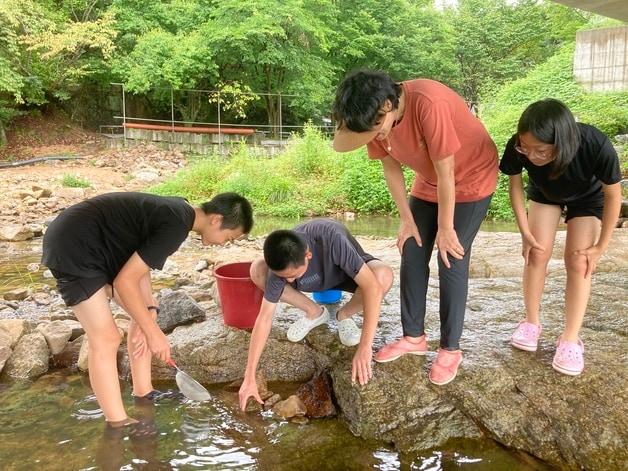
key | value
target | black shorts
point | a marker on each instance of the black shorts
(592, 205)
(350, 285)
(74, 289)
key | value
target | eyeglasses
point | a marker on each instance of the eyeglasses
(545, 154)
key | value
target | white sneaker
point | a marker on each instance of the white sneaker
(349, 332)
(302, 327)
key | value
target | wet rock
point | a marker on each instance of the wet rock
(14, 329)
(214, 353)
(252, 405)
(271, 401)
(29, 359)
(81, 362)
(290, 407)
(57, 334)
(316, 395)
(15, 232)
(69, 356)
(17, 294)
(77, 328)
(299, 420)
(5, 353)
(177, 308)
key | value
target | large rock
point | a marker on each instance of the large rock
(57, 334)
(82, 361)
(30, 357)
(316, 395)
(514, 397)
(178, 308)
(70, 354)
(5, 353)
(214, 353)
(15, 232)
(13, 329)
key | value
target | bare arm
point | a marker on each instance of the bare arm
(446, 238)
(372, 294)
(127, 286)
(397, 185)
(517, 201)
(259, 337)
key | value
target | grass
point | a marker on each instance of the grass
(73, 181)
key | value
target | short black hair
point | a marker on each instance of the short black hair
(236, 211)
(551, 122)
(361, 95)
(284, 248)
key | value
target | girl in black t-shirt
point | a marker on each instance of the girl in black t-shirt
(574, 166)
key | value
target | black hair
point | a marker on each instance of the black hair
(284, 248)
(360, 97)
(551, 122)
(236, 211)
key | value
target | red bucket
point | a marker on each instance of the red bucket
(240, 298)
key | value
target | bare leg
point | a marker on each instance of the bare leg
(384, 275)
(95, 316)
(582, 233)
(259, 275)
(543, 221)
(140, 366)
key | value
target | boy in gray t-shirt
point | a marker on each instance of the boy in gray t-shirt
(315, 256)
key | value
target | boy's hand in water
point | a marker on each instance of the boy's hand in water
(248, 389)
(361, 368)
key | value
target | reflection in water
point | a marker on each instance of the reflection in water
(54, 423)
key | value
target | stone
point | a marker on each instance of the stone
(316, 395)
(123, 324)
(14, 329)
(178, 308)
(252, 405)
(290, 407)
(70, 354)
(77, 329)
(82, 361)
(57, 334)
(17, 294)
(214, 353)
(201, 265)
(43, 299)
(146, 176)
(5, 353)
(29, 359)
(271, 401)
(299, 420)
(15, 232)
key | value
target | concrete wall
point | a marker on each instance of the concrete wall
(601, 58)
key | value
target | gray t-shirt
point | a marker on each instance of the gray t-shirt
(336, 259)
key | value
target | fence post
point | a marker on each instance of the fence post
(123, 115)
(172, 140)
(220, 149)
(280, 123)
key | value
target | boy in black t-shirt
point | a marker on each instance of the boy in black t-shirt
(104, 248)
(318, 255)
(574, 166)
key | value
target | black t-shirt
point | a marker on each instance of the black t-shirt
(336, 258)
(99, 235)
(595, 163)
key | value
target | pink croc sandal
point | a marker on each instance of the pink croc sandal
(401, 347)
(526, 336)
(445, 367)
(569, 357)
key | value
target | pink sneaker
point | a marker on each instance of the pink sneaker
(526, 336)
(569, 357)
(394, 350)
(445, 367)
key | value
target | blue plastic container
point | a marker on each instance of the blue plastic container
(329, 296)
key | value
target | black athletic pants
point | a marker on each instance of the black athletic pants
(453, 282)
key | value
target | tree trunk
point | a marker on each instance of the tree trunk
(3, 136)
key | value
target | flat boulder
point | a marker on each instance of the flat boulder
(214, 353)
(13, 329)
(15, 232)
(57, 334)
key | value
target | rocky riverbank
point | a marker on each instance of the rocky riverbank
(514, 397)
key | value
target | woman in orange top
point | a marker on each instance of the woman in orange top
(428, 127)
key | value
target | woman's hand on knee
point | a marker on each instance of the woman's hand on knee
(407, 230)
(448, 244)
